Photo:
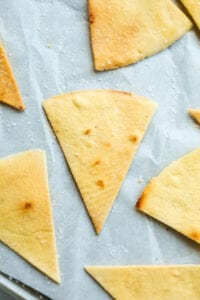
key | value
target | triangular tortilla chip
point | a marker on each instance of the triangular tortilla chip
(99, 132)
(149, 282)
(9, 91)
(193, 7)
(127, 31)
(195, 114)
(26, 223)
(173, 196)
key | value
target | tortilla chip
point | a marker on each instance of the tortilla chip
(26, 223)
(127, 31)
(149, 282)
(195, 114)
(99, 132)
(193, 7)
(173, 196)
(9, 91)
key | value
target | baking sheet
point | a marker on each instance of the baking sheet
(48, 46)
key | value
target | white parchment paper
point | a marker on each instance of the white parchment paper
(48, 46)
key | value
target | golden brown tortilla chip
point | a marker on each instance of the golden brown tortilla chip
(149, 282)
(9, 91)
(26, 223)
(126, 31)
(99, 132)
(173, 196)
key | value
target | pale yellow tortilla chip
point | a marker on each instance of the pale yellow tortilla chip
(149, 282)
(99, 132)
(126, 31)
(195, 114)
(9, 91)
(173, 196)
(193, 7)
(26, 223)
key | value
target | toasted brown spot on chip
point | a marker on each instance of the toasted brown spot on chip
(139, 204)
(133, 138)
(27, 205)
(87, 131)
(91, 18)
(195, 235)
(141, 201)
(100, 183)
(97, 162)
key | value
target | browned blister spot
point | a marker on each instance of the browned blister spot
(195, 235)
(141, 201)
(91, 18)
(87, 131)
(100, 183)
(96, 163)
(143, 198)
(26, 206)
(139, 204)
(133, 138)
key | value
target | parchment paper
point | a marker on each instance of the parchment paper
(49, 49)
